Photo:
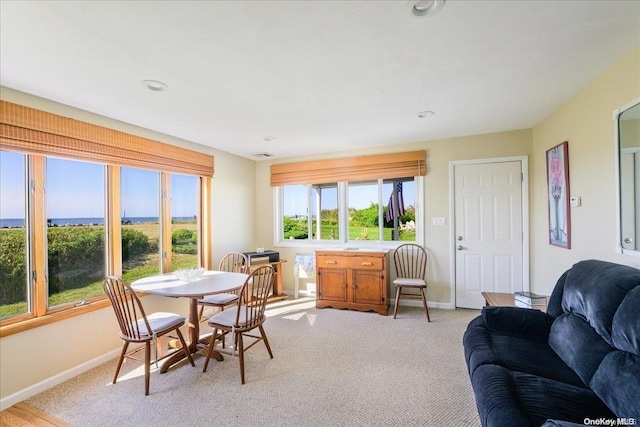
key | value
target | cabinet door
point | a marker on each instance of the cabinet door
(367, 287)
(332, 284)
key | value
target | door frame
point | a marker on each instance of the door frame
(524, 170)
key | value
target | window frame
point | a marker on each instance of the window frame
(39, 313)
(343, 239)
(38, 135)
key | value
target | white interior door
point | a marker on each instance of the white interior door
(488, 230)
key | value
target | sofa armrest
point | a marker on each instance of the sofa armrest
(533, 324)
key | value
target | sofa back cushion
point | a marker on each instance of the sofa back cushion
(598, 332)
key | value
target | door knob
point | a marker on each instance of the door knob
(460, 247)
(460, 238)
(628, 240)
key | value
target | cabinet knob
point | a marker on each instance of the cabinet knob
(331, 262)
(367, 263)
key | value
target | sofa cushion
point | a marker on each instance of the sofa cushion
(483, 346)
(617, 379)
(617, 383)
(519, 322)
(625, 331)
(578, 345)
(510, 398)
(598, 335)
(594, 290)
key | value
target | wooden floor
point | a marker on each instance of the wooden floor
(23, 415)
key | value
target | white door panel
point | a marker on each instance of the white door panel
(488, 230)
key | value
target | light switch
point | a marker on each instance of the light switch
(438, 221)
(575, 201)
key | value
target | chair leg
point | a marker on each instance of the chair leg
(224, 337)
(147, 366)
(424, 302)
(210, 349)
(266, 341)
(241, 354)
(125, 345)
(185, 347)
(395, 305)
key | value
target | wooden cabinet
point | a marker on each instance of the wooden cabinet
(354, 279)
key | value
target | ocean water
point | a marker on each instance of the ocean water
(61, 222)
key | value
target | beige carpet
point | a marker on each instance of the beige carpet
(330, 368)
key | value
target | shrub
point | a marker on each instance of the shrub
(76, 250)
(295, 228)
(134, 243)
(184, 241)
(13, 274)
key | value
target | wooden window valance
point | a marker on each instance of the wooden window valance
(32, 131)
(385, 166)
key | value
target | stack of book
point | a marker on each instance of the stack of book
(530, 300)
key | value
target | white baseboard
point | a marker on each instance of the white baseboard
(26, 393)
(418, 303)
(403, 302)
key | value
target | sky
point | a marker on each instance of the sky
(75, 189)
(360, 197)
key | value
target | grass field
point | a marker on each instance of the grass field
(147, 265)
(365, 233)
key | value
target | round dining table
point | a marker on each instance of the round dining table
(169, 285)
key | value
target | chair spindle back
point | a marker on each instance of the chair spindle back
(234, 262)
(410, 261)
(128, 309)
(253, 297)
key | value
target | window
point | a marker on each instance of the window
(63, 230)
(369, 198)
(369, 215)
(14, 288)
(78, 202)
(364, 210)
(303, 205)
(75, 213)
(140, 205)
(184, 222)
(400, 223)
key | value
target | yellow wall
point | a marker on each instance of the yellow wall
(436, 195)
(37, 359)
(585, 121)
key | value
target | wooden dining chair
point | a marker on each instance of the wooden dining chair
(233, 262)
(411, 272)
(247, 315)
(137, 327)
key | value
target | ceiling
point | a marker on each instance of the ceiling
(316, 76)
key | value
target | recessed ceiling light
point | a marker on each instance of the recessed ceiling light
(263, 155)
(425, 114)
(425, 7)
(154, 85)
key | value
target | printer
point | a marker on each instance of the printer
(265, 256)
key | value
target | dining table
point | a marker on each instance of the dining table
(169, 285)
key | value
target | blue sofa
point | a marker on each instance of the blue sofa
(577, 362)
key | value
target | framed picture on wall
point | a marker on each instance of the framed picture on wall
(558, 195)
